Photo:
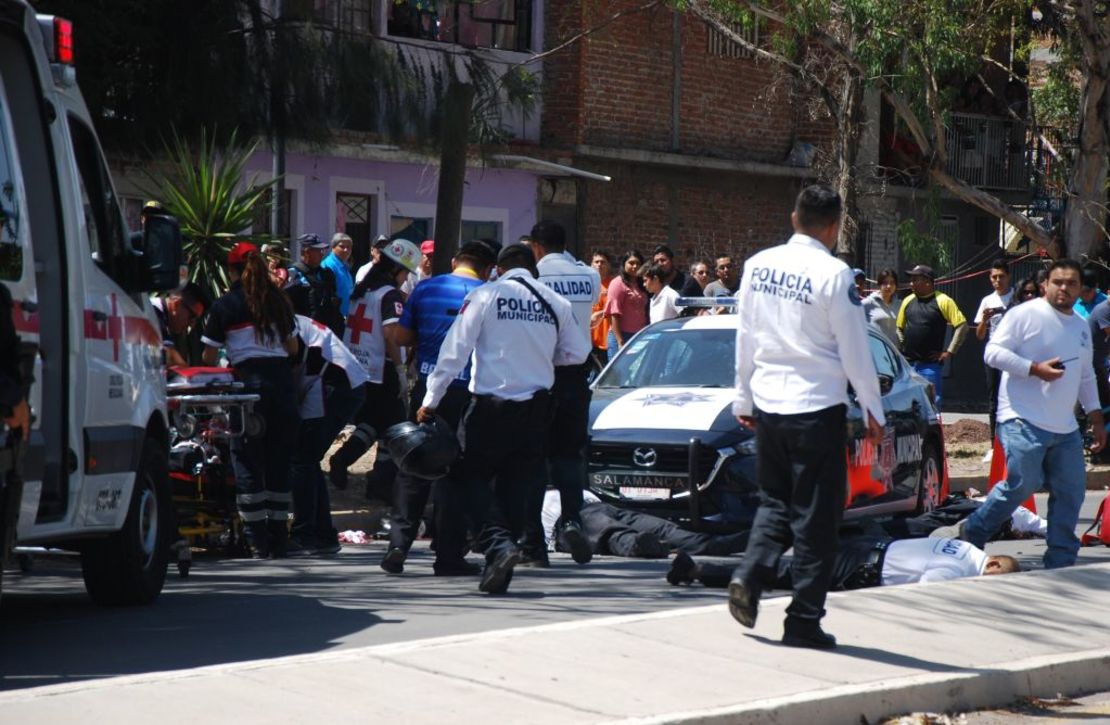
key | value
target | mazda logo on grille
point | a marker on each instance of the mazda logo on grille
(644, 457)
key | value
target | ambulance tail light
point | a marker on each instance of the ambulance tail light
(57, 39)
(63, 41)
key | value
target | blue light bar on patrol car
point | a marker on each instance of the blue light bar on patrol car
(705, 302)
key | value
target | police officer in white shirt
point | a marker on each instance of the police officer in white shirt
(869, 561)
(517, 330)
(580, 285)
(801, 340)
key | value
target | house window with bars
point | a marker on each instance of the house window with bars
(504, 24)
(722, 45)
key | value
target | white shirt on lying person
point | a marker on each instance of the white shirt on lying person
(908, 561)
(1035, 332)
(514, 341)
(553, 509)
(801, 334)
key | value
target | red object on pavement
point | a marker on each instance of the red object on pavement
(998, 473)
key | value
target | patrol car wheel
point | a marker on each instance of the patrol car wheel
(929, 480)
(129, 567)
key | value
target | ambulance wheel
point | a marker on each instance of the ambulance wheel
(129, 567)
(930, 479)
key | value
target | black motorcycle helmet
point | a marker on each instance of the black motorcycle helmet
(423, 450)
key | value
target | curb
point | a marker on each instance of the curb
(1097, 480)
(950, 692)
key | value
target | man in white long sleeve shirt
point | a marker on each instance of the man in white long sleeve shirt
(1044, 352)
(801, 340)
(517, 331)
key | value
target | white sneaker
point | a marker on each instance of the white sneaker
(988, 456)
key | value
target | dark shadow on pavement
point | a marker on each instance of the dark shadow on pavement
(876, 655)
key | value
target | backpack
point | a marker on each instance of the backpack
(1100, 526)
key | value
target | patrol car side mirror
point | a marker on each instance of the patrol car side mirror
(163, 253)
(886, 384)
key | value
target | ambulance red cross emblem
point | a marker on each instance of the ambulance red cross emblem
(358, 323)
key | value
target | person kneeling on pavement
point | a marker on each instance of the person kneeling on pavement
(332, 386)
(868, 560)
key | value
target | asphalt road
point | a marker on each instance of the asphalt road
(238, 610)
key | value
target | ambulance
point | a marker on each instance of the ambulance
(94, 471)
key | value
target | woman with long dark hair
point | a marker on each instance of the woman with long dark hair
(371, 335)
(626, 308)
(253, 323)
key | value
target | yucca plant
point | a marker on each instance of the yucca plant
(204, 189)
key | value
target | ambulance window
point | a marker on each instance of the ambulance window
(11, 253)
(101, 210)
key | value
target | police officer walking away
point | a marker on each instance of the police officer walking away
(428, 315)
(518, 331)
(580, 285)
(801, 340)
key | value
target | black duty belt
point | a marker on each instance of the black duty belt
(869, 574)
(540, 396)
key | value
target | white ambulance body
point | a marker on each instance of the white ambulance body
(94, 470)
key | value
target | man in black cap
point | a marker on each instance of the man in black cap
(312, 288)
(923, 323)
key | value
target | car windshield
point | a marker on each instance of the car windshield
(675, 356)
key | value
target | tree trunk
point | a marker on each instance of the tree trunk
(849, 122)
(1085, 216)
(452, 173)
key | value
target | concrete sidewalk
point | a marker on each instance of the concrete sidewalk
(956, 645)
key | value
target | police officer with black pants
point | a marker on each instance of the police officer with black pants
(312, 288)
(518, 331)
(801, 340)
(429, 314)
(254, 324)
(580, 285)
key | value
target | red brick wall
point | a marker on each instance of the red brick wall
(712, 211)
(614, 88)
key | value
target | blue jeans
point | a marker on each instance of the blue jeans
(1036, 458)
(933, 372)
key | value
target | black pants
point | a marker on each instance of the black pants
(802, 478)
(261, 463)
(411, 494)
(566, 450)
(503, 445)
(382, 408)
(994, 378)
(614, 530)
(850, 568)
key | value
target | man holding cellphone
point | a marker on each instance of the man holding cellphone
(1043, 349)
(986, 319)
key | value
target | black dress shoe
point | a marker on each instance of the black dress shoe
(743, 602)
(499, 572)
(683, 570)
(456, 568)
(394, 561)
(574, 540)
(535, 559)
(813, 638)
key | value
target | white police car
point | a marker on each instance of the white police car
(663, 438)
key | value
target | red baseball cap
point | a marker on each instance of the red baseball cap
(239, 252)
(428, 246)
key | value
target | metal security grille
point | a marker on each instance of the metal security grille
(354, 212)
(720, 44)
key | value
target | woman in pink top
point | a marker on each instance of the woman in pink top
(626, 309)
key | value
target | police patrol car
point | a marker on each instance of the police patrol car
(95, 469)
(663, 438)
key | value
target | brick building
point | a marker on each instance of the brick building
(693, 132)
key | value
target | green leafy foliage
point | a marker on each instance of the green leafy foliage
(204, 189)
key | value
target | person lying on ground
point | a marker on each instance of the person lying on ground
(620, 532)
(869, 560)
